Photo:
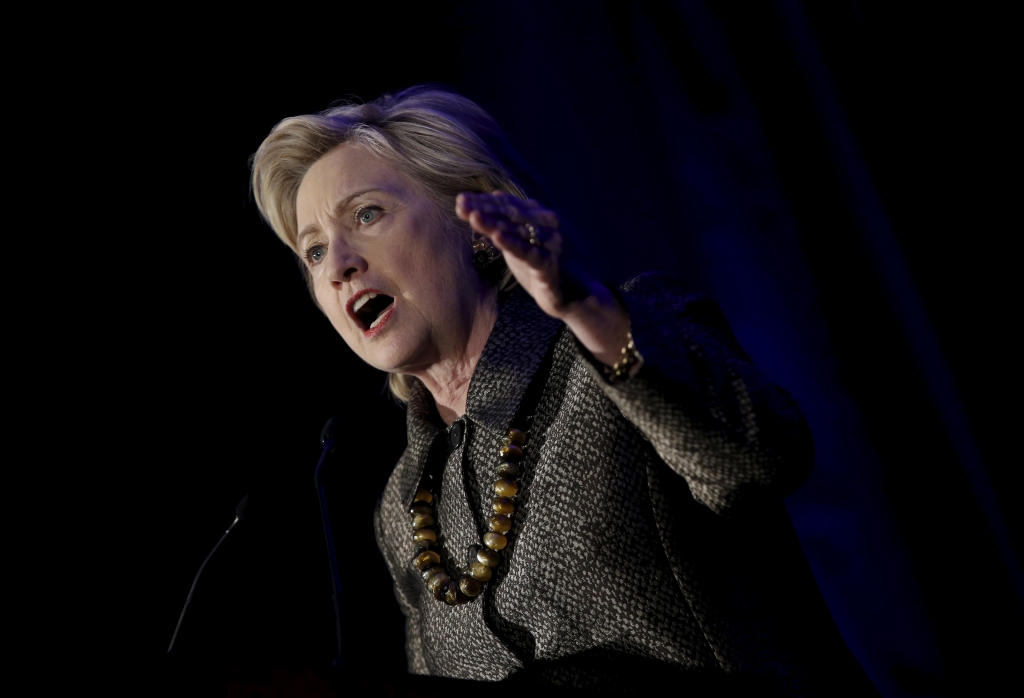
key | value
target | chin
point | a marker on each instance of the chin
(391, 356)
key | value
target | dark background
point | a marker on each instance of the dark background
(832, 172)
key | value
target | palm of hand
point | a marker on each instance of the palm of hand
(529, 238)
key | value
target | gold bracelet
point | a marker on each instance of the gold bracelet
(623, 367)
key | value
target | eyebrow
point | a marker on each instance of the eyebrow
(338, 208)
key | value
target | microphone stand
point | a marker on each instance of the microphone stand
(327, 439)
(239, 515)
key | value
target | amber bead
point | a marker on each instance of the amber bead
(502, 505)
(437, 580)
(500, 523)
(495, 541)
(421, 510)
(508, 469)
(422, 521)
(425, 544)
(425, 534)
(423, 495)
(516, 437)
(426, 559)
(488, 557)
(505, 488)
(431, 571)
(511, 452)
(453, 595)
(480, 571)
(469, 585)
(441, 590)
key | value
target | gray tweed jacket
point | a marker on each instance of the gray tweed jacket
(650, 543)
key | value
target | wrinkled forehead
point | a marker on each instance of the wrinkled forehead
(341, 175)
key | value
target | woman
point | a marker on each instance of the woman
(591, 496)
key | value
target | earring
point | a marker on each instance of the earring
(484, 254)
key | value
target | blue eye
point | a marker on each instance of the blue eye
(368, 215)
(315, 254)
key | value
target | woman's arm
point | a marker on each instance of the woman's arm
(528, 236)
(695, 395)
(703, 405)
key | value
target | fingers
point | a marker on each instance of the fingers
(521, 229)
(520, 238)
(502, 206)
(516, 240)
(514, 246)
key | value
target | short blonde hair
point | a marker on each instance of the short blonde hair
(441, 140)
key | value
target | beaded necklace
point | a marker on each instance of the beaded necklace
(471, 580)
(468, 583)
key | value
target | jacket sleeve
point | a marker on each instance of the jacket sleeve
(702, 404)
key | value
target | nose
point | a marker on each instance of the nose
(343, 263)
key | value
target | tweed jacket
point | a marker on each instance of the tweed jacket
(649, 541)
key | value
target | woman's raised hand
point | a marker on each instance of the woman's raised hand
(528, 236)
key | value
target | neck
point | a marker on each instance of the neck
(448, 378)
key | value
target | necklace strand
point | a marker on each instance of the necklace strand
(469, 582)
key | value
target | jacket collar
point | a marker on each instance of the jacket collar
(517, 344)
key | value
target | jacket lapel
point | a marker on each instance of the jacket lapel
(515, 349)
(511, 356)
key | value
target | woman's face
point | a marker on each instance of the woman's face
(365, 229)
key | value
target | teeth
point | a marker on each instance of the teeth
(362, 301)
(377, 321)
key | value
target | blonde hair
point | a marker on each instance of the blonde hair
(439, 139)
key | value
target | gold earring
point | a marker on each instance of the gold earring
(484, 254)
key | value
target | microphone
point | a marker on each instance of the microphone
(327, 441)
(239, 516)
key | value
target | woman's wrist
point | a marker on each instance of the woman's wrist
(601, 324)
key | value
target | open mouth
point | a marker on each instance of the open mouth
(371, 308)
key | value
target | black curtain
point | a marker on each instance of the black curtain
(830, 172)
